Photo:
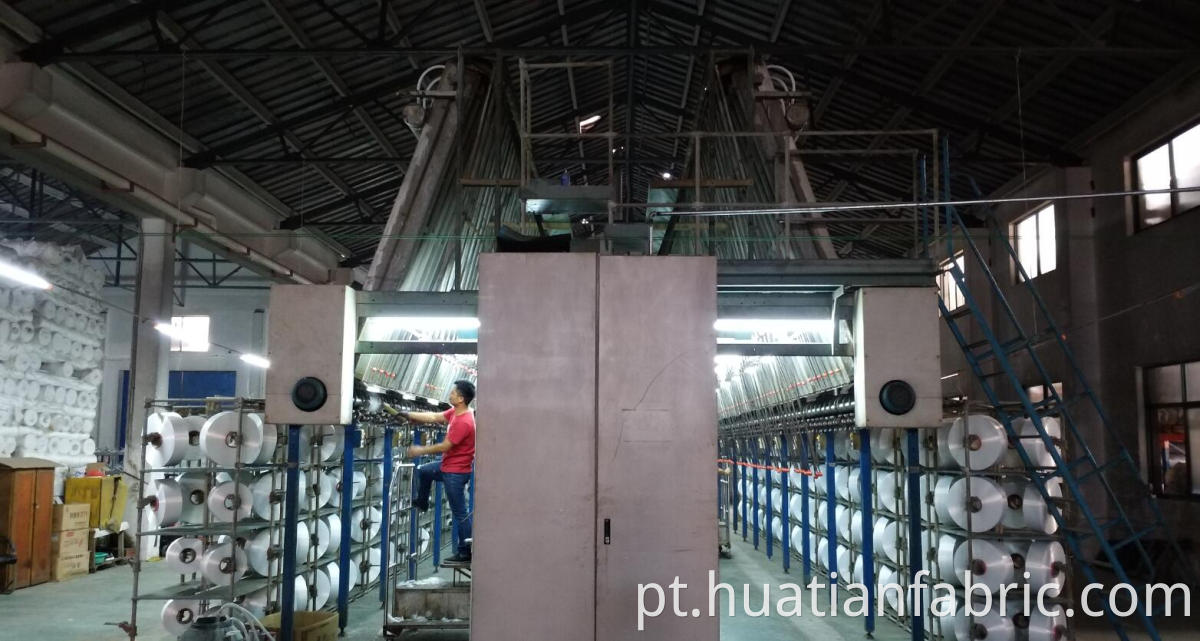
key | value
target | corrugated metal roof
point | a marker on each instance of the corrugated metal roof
(970, 97)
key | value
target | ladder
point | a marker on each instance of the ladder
(1119, 536)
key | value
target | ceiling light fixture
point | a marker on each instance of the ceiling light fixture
(23, 276)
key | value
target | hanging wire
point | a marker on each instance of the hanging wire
(1021, 118)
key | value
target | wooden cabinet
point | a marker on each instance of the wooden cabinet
(26, 518)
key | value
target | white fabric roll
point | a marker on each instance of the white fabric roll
(993, 626)
(841, 477)
(268, 502)
(1047, 628)
(178, 615)
(842, 517)
(884, 445)
(270, 435)
(978, 510)
(320, 590)
(332, 571)
(332, 438)
(887, 488)
(318, 537)
(183, 555)
(1014, 498)
(222, 562)
(221, 438)
(75, 447)
(979, 440)
(368, 564)
(168, 503)
(333, 523)
(89, 447)
(320, 489)
(1046, 563)
(1031, 440)
(167, 439)
(193, 490)
(358, 486)
(886, 538)
(365, 523)
(230, 498)
(1034, 510)
(989, 564)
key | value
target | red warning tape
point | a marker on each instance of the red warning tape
(771, 468)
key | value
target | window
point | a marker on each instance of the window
(1038, 393)
(952, 296)
(1173, 419)
(1033, 236)
(189, 334)
(1172, 165)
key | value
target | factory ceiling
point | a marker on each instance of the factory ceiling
(306, 99)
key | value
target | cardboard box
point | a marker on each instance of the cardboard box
(70, 566)
(69, 542)
(71, 516)
(306, 626)
(105, 496)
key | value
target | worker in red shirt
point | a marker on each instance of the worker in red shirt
(454, 468)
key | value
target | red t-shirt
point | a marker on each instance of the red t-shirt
(460, 432)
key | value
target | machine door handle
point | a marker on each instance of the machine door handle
(607, 531)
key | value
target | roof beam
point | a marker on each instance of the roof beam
(1045, 75)
(333, 78)
(485, 24)
(743, 44)
(235, 87)
(46, 51)
(277, 127)
(978, 21)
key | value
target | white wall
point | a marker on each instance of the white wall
(237, 321)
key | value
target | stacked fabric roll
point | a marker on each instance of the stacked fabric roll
(51, 352)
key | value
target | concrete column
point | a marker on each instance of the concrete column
(153, 302)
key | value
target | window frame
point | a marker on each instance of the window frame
(1033, 214)
(1150, 408)
(177, 344)
(1138, 206)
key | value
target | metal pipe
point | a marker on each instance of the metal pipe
(677, 50)
(868, 525)
(914, 531)
(805, 517)
(156, 203)
(785, 517)
(291, 508)
(384, 543)
(741, 134)
(832, 207)
(831, 509)
(352, 441)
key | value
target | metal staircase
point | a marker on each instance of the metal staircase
(1124, 533)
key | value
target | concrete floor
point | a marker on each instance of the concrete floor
(82, 609)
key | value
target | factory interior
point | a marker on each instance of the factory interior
(779, 320)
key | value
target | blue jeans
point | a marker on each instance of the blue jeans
(456, 494)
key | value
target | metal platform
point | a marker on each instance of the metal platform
(430, 607)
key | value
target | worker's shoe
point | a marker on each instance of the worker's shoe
(459, 558)
(421, 504)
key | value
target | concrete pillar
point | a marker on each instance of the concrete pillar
(153, 302)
